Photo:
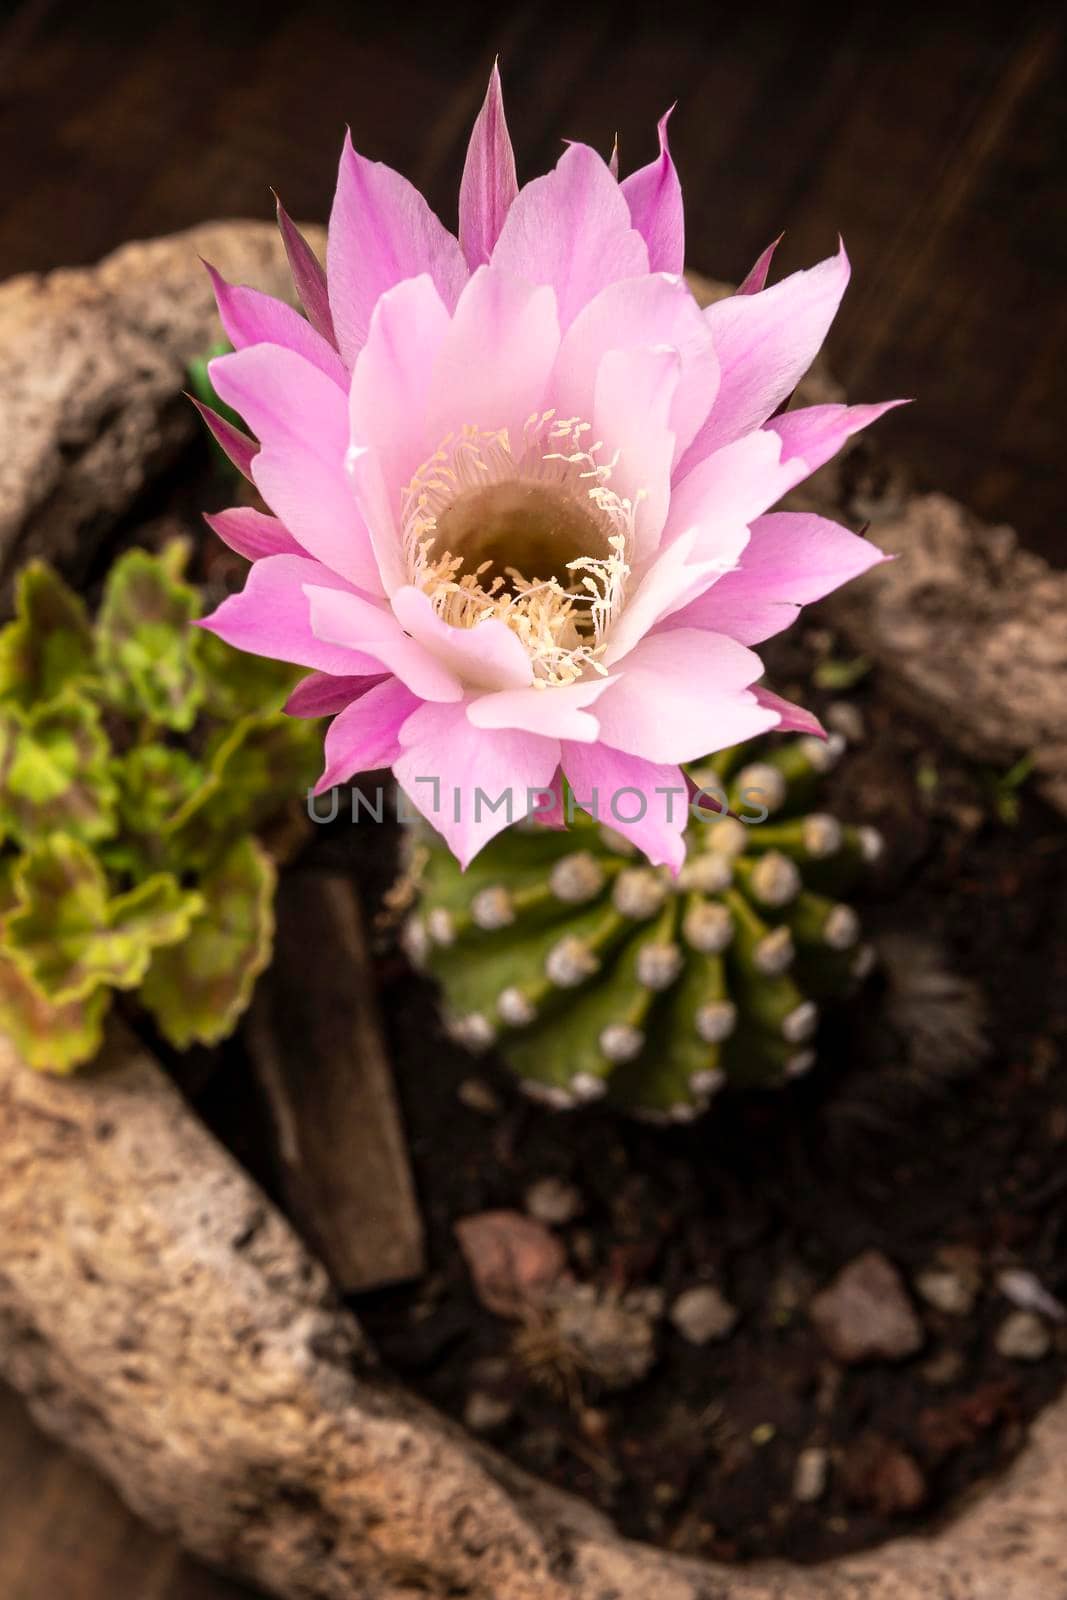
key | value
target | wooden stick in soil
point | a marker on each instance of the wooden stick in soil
(316, 1046)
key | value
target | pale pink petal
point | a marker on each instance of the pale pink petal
(631, 411)
(309, 279)
(571, 229)
(238, 448)
(301, 420)
(493, 364)
(364, 735)
(817, 432)
(376, 501)
(669, 583)
(765, 343)
(349, 620)
(469, 783)
(249, 317)
(381, 232)
(635, 312)
(728, 491)
(322, 694)
(487, 656)
(489, 184)
(682, 694)
(654, 196)
(271, 617)
(390, 390)
(791, 559)
(792, 718)
(558, 712)
(645, 801)
(756, 277)
(251, 533)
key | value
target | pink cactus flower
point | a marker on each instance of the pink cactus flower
(521, 488)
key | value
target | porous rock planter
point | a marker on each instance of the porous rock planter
(162, 1317)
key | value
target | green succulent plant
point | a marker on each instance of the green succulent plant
(595, 974)
(146, 772)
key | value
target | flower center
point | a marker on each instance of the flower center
(530, 533)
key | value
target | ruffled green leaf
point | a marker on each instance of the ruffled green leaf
(145, 645)
(196, 990)
(49, 1037)
(154, 781)
(55, 770)
(236, 683)
(50, 642)
(254, 769)
(70, 937)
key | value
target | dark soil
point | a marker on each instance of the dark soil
(934, 1131)
(908, 1140)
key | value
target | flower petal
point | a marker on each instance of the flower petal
(817, 432)
(238, 448)
(669, 583)
(251, 533)
(558, 712)
(635, 312)
(349, 620)
(792, 718)
(309, 278)
(631, 411)
(493, 363)
(323, 694)
(301, 420)
(364, 735)
(487, 656)
(249, 317)
(469, 783)
(381, 232)
(681, 695)
(756, 278)
(571, 229)
(645, 801)
(387, 408)
(791, 559)
(271, 617)
(729, 490)
(765, 343)
(654, 196)
(489, 184)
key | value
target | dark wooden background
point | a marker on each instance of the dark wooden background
(931, 138)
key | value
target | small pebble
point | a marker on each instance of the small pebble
(703, 1314)
(811, 1475)
(865, 1313)
(881, 1475)
(1027, 1292)
(484, 1413)
(478, 1096)
(554, 1201)
(942, 1369)
(1022, 1336)
(947, 1291)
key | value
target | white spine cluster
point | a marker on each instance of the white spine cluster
(570, 962)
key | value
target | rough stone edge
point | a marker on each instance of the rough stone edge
(161, 1317)
(159, 1314)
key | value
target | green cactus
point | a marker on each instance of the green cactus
(146, 775)
(595, 974)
